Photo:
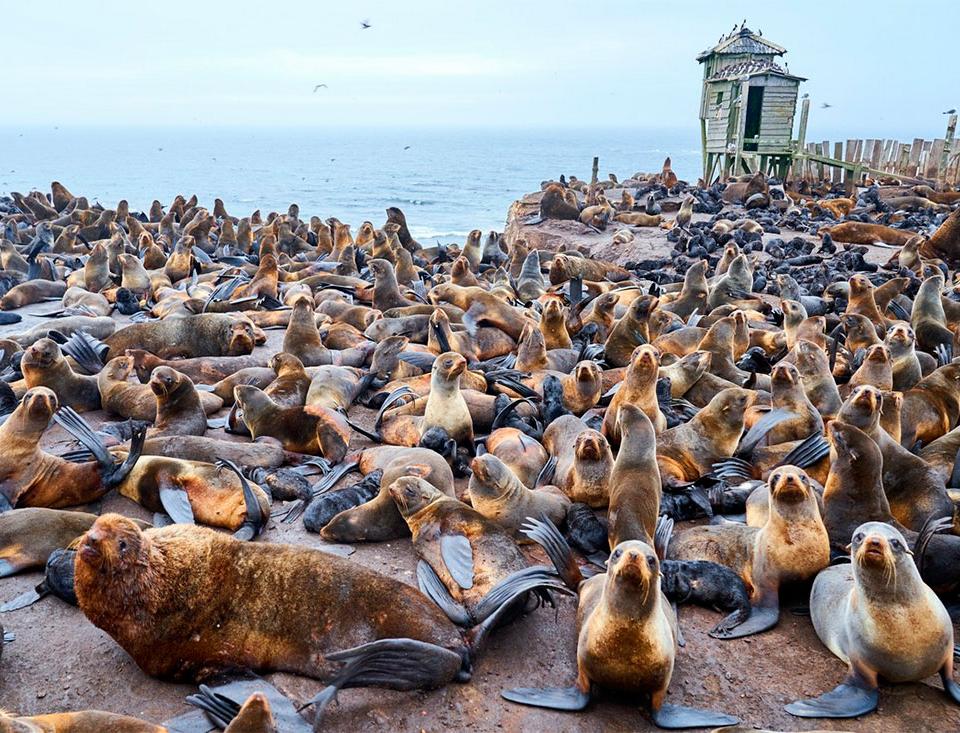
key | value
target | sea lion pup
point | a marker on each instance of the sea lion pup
(877, 370)
(206, 334)
(688, 451)
(929, 321)
(793, 546)
(530, 284)
(583, 474)
(787, 394)
(195, 594)
(137, 401)
(386, 291)
(635, 488)
(878, 616)
(497, 493)
(554, 204)
(639, 388)
(629, 332)
(554, 327)
(522, 454)
(931, 408)
(818, 382)
(379, 519)
(44, 366)
(179, 411)
(28, 536)
(626, 634)
(315, 430)
(31, 477)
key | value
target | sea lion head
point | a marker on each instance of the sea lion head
(491, 476)
(784, 376)
(860, 285)
(793, 312)
(645, 362)
(460, 268)
(240, 338)
(553, 310)
(252, 400)
(811, 359)
(449, 366)
(606, 303)
(38, 405)
(283, 363)
(880, 553)
(643, 306)
(165, 380)
(411, 494)
(441, 292)
(633, 423)
(877, 354)
(789, 485)
(41, 354)
(849, 446)
(379, 268)
(591, 446)
(588, 373)
(899, 338)
(633, 573)
(862, 407)
(118, 369)
(113, 546)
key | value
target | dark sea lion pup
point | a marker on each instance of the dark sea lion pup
(879, 617)
(627, 634)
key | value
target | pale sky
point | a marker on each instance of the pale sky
(889, 69)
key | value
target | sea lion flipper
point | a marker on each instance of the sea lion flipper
(219, 708)
(949, 686)
(545, 477)
(68, 418)
(85, 351)
(811, 450)
(457, 555)
(762, 618)
(554, 698)
(433, 588)
(545, 533)
(674, 717)
(176, 503)
(761, 427)
(843, 701)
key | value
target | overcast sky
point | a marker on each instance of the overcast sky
(889, 69)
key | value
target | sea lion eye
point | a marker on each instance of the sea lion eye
(858, 537)
(651, 561)
(895, 544)
(616, 555)
(122, 544)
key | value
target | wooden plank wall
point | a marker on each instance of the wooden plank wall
(915, 159)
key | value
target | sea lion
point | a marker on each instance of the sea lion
(522, 454)
(878, 616)
(30, 292)
(635, 488)
(30, 476)
(629, 332)
(497, 493)
(315, 430)
(554, 204)
(855, 232)
(199, 590)
(137, 401)
(931, 408)
(626, 634)
(43, 365)
(206, 334)
(86, 721)
(203, 370)
(179, 411)
(792, 546)
(28, 536)
(639, 388)
(583, 474)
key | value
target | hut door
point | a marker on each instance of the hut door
(754, 108)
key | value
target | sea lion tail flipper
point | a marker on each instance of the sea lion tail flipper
(420, 359)
(761, 619)
(433, 588)
(575, 290)
(59, 575)
(733, 469)
(898, 310)
(27, 598)
(514, 385)
(86, 351)
(501, 418)
(663, 391)
(442, 341)
(333, 475)
(457, 554)
(545, 533)
(68, 418)
(219, 708)
(254, 522)
(662, 535)
(118, 472)
(675, 717)
(761, 427)
(398, 664)
(554, 698)
(949, 686)
(930, 527)
(547, 473)
(811, 450)
(375, 437)
(843, 701)
(393, 397)
(944, 353)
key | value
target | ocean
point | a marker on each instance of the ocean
(447, 182)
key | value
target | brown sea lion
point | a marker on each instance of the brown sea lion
(878, 616)
(137, 401)
(635, 488)
(639, 388)
(497, 493)
(931, 408)
(207, 334)
(583, 473)
(202, 370)
(28, 536)
(856, 232)
(43, 365)
(629, 332)
(521, 453)
(30, 292)
(86, 721)
(179, 409)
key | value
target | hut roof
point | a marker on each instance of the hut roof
(743, 40)
(752, 67)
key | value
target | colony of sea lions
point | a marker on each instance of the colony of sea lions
(748, 415)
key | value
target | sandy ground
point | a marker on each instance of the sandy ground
(59, 661)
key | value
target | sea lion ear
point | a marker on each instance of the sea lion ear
(848, 547)
(419, 470)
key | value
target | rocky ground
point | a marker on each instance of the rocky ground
(59, 661)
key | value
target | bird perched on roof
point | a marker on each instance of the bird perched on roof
(950, 112)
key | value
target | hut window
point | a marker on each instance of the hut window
(719, 98)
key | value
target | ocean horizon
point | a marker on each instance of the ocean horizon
(447, 181)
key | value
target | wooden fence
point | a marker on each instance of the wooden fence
(922, 161)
